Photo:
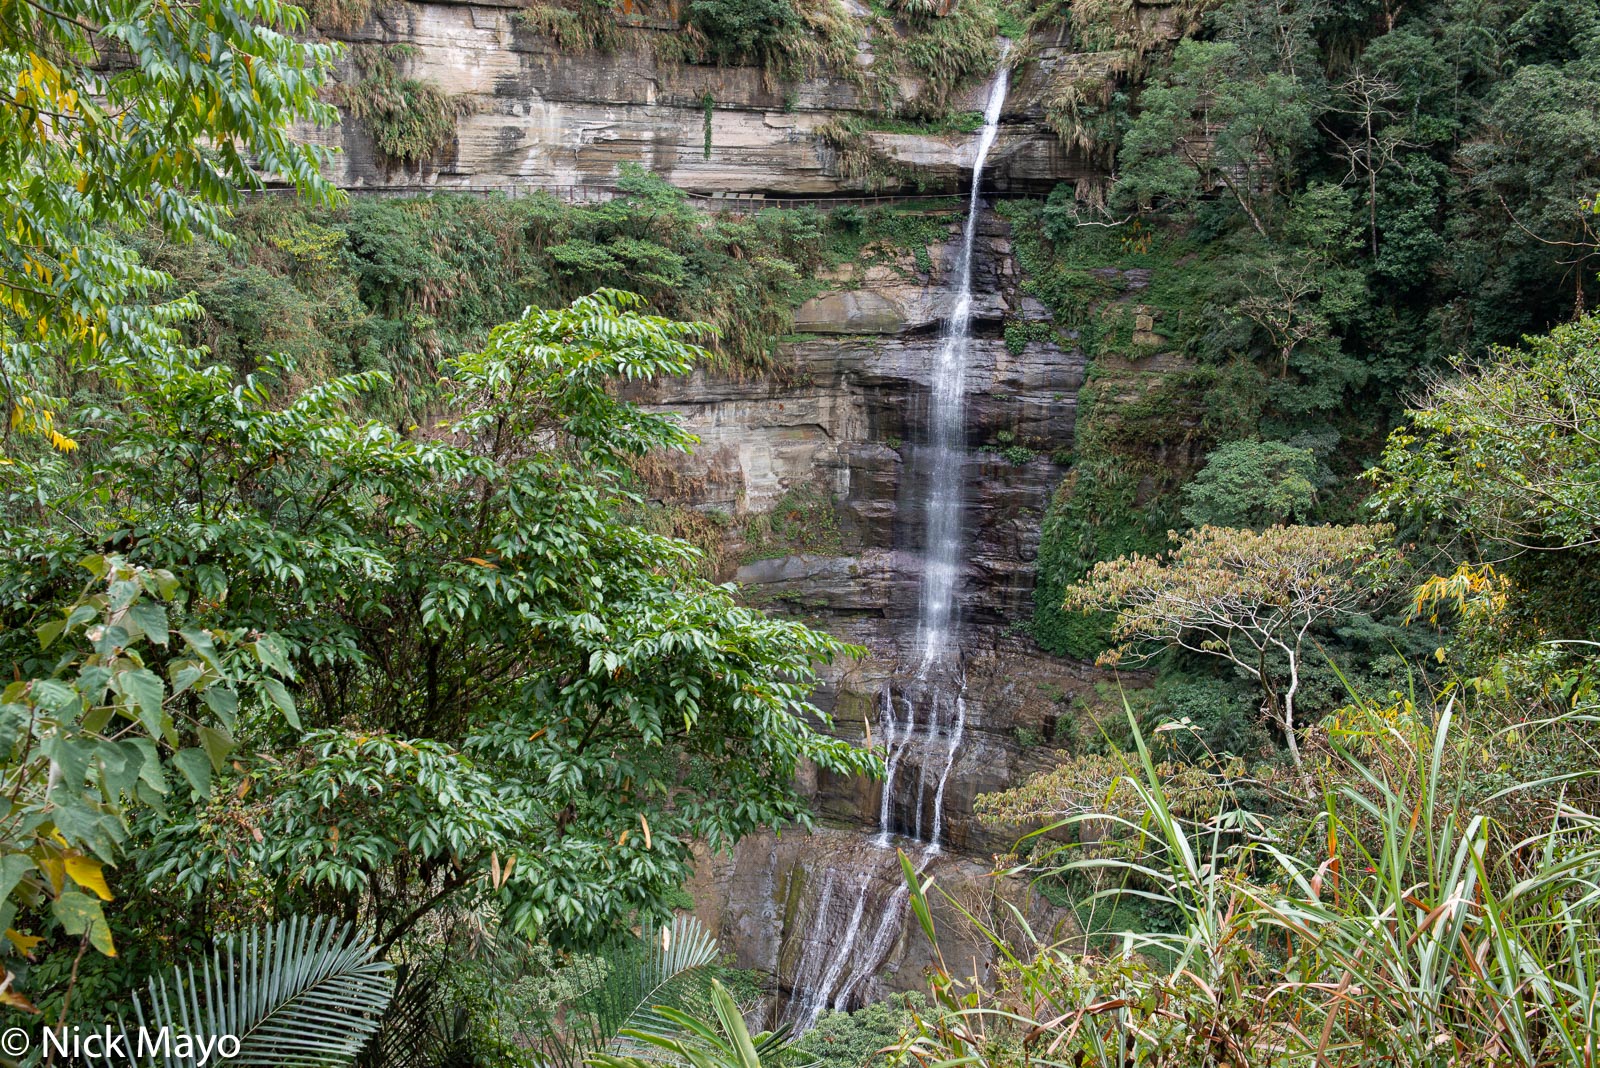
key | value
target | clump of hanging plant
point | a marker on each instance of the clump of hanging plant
(410, 120)
(574, 25)
(858, 160)
(338, 16)
(1080, 112)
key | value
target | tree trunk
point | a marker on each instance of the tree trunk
(1288, 710)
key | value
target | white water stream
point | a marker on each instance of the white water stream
(836, 960)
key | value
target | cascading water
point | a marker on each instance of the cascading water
(947, 425)
(833, 966)
(938, 683)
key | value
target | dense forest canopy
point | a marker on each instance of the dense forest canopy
(332, 581)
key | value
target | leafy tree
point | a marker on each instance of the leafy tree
(1506, 452)
(514, 698)
(125, 694)
(1207, 123)
(743, 29)
(1252, 484)
(1252, 599)
(1500, 465)
(136, 693)
(196, 104)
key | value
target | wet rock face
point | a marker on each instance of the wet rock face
(536, 114)
(847, 417)
(826, 915)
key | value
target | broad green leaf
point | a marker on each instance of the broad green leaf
(12, 868)
(151, 618)
(217, 745)
(224, 701)
(196, 767)
(79, 913)
(50, 632)
(146, 691)
(279, 696)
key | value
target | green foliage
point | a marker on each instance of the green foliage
(513, 700)
(884, 235)
(670, 967)
(392, 284)
(1500, 461)
(411, 121)
(1251, 599)
(120, 692)
(1255, 124)
(1094, 515)
(803, 521)
(723, 1041)
(743, 30)
(1379, 910)
(1018, 455)
(857, 1039)
(1504, 449)
(947, 46)
(197, 106)
(1019, 333)
(1252, 484)
(135, 703)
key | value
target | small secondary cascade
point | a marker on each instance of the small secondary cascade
(861, 905)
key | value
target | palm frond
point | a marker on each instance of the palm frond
(673, 957)
(421, 1028)
(642, 975)
(689, 1040)
(302, 993)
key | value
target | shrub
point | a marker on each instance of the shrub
(1413, 907)
(1252, 484)
(743, 29)
(410, 120)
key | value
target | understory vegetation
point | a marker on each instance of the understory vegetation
(1379, 196)
(1333, 464)
(397, 284)
(369, 694)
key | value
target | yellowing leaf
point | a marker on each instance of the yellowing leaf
(87, 873)
(24, 943)
(54, 870)
(17, 1001)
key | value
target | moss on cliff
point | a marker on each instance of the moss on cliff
(1128, 296)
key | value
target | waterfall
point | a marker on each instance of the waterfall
(837, 960)
(947, 423)
(938, 678)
